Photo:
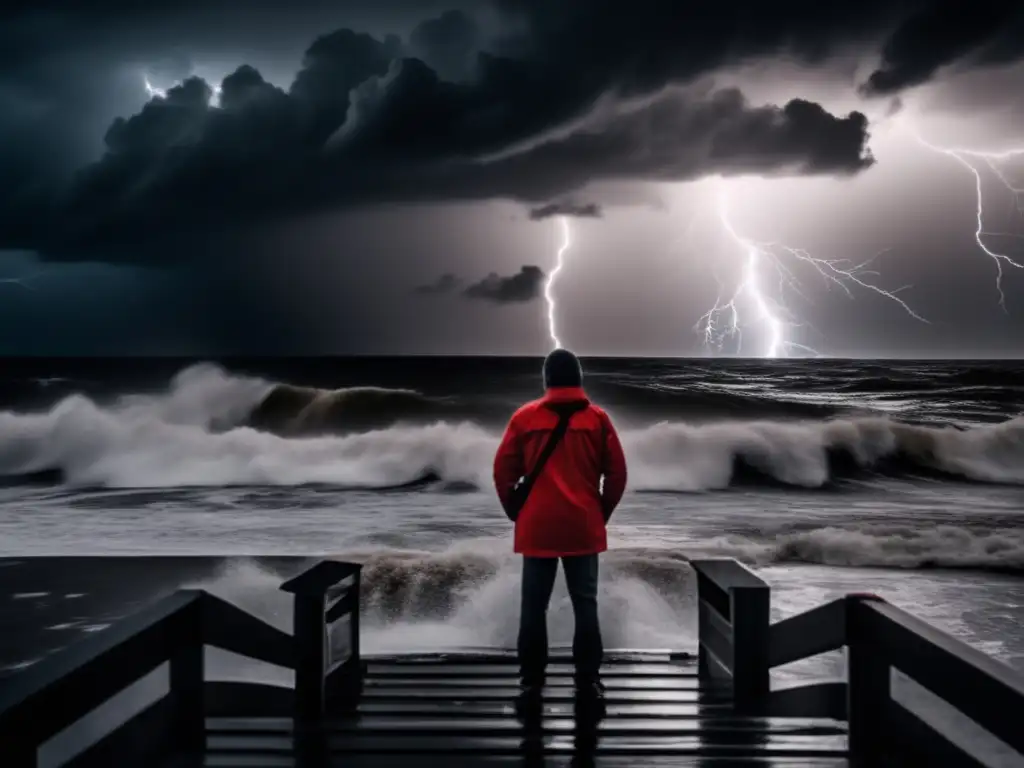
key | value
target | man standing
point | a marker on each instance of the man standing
(548, 474)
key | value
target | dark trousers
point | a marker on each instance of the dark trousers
(538, 581)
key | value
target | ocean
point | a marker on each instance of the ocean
(902, 478)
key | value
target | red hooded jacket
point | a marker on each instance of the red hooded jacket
(567, 509)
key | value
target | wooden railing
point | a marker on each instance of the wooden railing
(42, 701)
(329, 671)
(881, 640)
(737, 643)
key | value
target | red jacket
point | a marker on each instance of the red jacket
(566, 511)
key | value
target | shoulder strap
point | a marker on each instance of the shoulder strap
(565, 415)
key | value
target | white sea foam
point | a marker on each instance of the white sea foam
(190, 436)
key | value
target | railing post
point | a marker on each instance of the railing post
(733, 609)
(320, 601)
(353, 616)
(868, 687)
(187, 682)
(21, 755)
(750, 627)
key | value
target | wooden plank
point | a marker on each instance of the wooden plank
(716, 621)
(501, 708)
(716, 647)
(229, 627)
(138, 741)
(562, 722)
(321, 577)
(808, 634)
(342, 606)
(914, 740)
(826, 745)
(825, 699)
(455, 669)
(509, 693)
(247, 699)
(611, 683)
(714, 597)
(499, 655)
(228, 760)
(728, 574)
(477, 727)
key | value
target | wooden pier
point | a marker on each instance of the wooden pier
(85, 707)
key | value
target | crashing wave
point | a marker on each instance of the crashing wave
(201, 432)
(468, 595)
(305, 411)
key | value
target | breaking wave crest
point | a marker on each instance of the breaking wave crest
(211, 428)
(469, 595)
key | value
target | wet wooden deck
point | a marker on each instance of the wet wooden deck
(459, 711)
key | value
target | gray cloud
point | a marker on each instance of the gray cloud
(584, 210)
(521, 287)
(446, 283)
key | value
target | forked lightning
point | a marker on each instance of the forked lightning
(990, 159)
(726, 319)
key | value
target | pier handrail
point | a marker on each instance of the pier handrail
(50, 696)
(883, 638)
(326, 594)
(45, 699)
(879, 638)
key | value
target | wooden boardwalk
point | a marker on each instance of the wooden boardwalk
(456, 710)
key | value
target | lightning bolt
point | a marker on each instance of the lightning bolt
(548, 295)
(725, 319)
(990, 159)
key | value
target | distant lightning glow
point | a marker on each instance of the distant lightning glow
(153, 91)
(548, 295)
(22, 282)
(990, 159)
(726, 319)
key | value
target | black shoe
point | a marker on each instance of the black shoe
(531, 688)
(529, 702)
(590, 700)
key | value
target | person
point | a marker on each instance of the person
(564, 516)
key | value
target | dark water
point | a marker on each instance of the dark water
(902, 478)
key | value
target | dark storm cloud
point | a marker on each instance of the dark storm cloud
(359, 127)
(521, 287)
(942, 33)
(449, 43)
(446, 283)
(375, 119)
(582, 210)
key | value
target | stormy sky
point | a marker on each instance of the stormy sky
(400, 176)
